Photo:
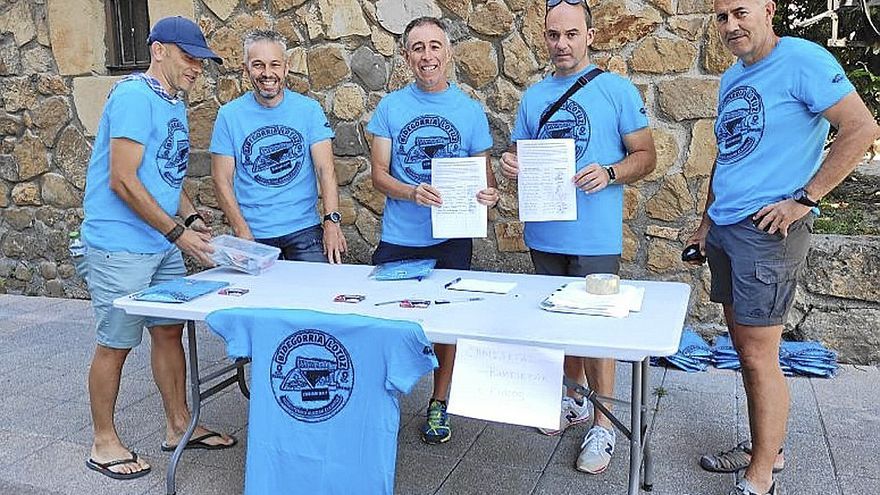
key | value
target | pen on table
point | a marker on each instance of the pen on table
(452, 282)
(387, 302)
(451, 301)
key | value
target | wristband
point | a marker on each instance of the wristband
(612, 177)
(175, 233)
(192, 218)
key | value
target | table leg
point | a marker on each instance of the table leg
(648, 481)
(635, 441)
(195, 400)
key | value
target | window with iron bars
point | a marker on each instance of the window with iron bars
(128, 25)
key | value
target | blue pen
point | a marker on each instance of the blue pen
(452, 282)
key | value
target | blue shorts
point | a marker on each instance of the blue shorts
(574, 266)
(115, 274)
(452, 254)
(303, 245)
(757, 272)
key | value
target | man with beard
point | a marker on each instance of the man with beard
(133, 191)
(775, 107)
(613, 146)
(267, 147)
(430, 118)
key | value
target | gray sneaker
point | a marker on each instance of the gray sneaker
(743, 487)
(596, 451)
(572, 414)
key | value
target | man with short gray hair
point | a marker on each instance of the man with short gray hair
(267, 148)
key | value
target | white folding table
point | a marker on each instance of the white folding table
(514, 317)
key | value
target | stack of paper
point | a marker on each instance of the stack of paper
(574, 298)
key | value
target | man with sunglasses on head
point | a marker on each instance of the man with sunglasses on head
(775, 107)
(133, 193)
(613, 146)
(429, 118)
(269, 150)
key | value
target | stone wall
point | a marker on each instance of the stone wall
(53, 82)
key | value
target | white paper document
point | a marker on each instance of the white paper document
(509, 383)
(546, 192)
(459, 180)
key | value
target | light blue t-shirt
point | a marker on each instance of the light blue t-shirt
(324, 411)
(770, 129)
(422, 126)
(597, 117)
(134, 111)
(274, 182)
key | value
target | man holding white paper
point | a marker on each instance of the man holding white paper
(603, 114)
(427, 120)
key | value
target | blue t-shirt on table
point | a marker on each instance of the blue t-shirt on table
(274, 182)
(597, 117)
(324, 412)
(422, 126)
(136, 112)
(770, 129)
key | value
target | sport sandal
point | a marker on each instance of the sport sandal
(735, 459)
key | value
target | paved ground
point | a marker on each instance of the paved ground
(46, 345)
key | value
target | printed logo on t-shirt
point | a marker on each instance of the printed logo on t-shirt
(312, 375)
(740, 124)
(837, 78)
(423, 138)
(173, 154)
(273, 155)
(569, 122)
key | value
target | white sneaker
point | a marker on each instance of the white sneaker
(572, 414)
(596, 451)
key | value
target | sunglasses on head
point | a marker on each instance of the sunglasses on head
(554, 3)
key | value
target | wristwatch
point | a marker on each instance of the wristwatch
(612, 176)
(333, 216)
(801, 197)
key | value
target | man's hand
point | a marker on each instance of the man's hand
(197, 245)
(334, 242)
(426, 195)
(199, 225)
(777, 217)
(488, 197)
(699, 238)
(591, 179)
(509, 165)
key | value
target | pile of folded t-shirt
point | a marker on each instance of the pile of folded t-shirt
(693, 353)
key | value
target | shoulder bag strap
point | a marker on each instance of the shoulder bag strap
(580, 83)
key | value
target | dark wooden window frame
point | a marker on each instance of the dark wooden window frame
(128, 25)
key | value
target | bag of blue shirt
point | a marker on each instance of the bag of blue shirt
(178, 291)
(693, 353)
(403, 269)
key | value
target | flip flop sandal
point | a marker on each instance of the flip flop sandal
(733, 460)
(199, 443)
(104, 468)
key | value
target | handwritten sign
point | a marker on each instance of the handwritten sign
(508, 383)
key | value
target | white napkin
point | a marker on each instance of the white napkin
(574, 298)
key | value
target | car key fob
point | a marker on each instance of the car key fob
(692, 253)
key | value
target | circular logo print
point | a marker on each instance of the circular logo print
(569, 122)
(312, 375)
(424, 138)
(740, 124)
(273, 155)
(173, 154)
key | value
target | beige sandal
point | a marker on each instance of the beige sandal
(735, 459)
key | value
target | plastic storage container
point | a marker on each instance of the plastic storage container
(243, 255)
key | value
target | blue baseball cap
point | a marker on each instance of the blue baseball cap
(185, 34)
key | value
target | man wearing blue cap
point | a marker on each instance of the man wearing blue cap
(133, 193)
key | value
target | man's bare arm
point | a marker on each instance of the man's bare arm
(125, 159)
(334, 239)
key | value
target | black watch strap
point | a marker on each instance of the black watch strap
(175, 233)
(192, 218)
